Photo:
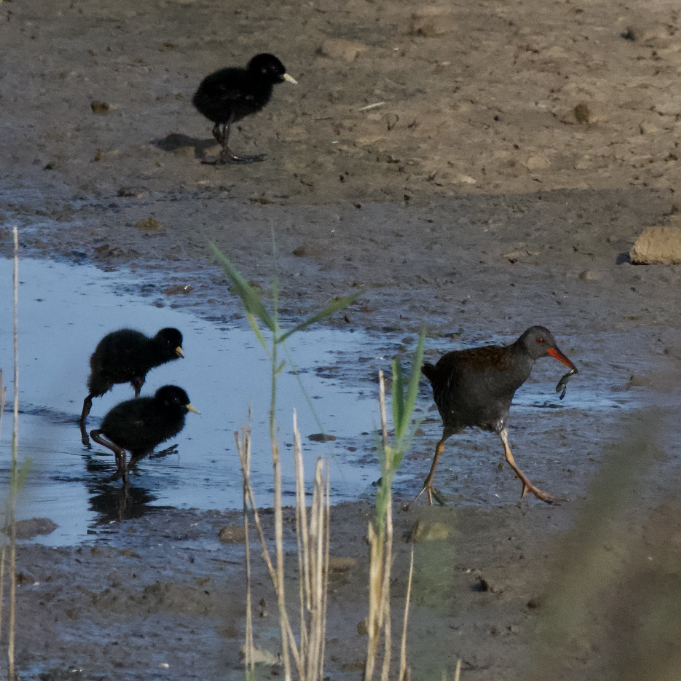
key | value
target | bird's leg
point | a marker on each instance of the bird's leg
(228, 156)
(219, 133)
(527, 485)
(428, 482)
(165, 452)
(118, 452)
(135, 457)
(137, 383)
(87, 405)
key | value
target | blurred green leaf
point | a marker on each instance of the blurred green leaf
(253, 323)
(249, 296)
(407, 402)
(334, 306)
(397, 396)
(19, 476)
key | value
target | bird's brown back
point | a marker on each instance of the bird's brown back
(474, 387)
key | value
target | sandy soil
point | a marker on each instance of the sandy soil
(518, 151)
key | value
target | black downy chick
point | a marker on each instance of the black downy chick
(139, 425)
(230, 94)
(126, 356)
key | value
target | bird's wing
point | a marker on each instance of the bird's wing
(231, 95)
(229, 86)
(473, 360)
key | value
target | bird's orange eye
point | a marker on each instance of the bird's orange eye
(540, 340)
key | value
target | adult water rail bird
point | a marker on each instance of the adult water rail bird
(475, 387)
(126, 356)
(230, 94)
(139, 425)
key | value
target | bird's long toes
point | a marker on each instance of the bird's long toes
(212, 161)
(543, 496)
(164, 452)
(242, 160)
(438, 497)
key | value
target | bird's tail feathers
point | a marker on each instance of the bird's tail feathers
(428, 370)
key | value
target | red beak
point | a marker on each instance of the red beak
(557, 354)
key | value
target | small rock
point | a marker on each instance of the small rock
(648, 128)
(338, 564)
(670, 107)
(232, 534)
(514, 255)
(99, 107)
(673, 351)
(261, 656)
(423, 532)
(637, 381)
(482, 585)
(485, 585)
(588, 275)
(22, 577)
(587, 113)
(27, 529)
(465, 179)
(431, 22)
(342, 49)
(583, 163)
(306, 251)
(129, 191)
(538, 162)
(657, 246)
(174, 290)
(582, 113)
(534, 603)
(321, 437)
(148, 225)
(362, 628)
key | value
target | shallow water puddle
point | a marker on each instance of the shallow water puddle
(64, 310)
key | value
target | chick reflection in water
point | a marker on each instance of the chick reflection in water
(114, 503)
(139, 425)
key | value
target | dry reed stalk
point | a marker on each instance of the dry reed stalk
(381, 558)
(302, 540)
(279, 549)
(13, 477)
(313, 559)
(244, 448)
(265, 551)
(380, 544)
(3, 554)
(319, 575)
(373, 630)
(3, 394)
(384, 612)
(457, 673)
(403, 645)
(325, 588)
